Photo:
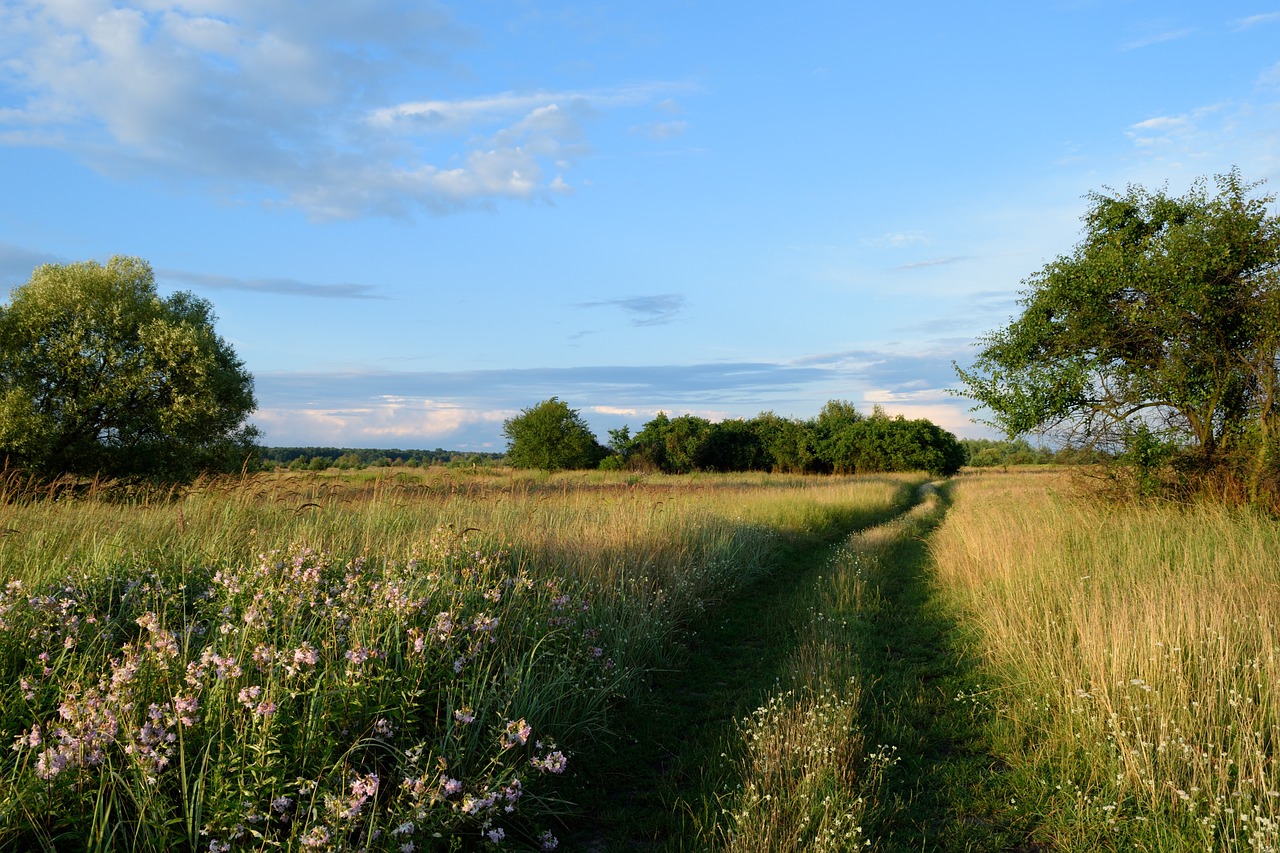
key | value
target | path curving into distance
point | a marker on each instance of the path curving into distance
(853, 615)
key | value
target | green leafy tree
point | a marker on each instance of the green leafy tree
(99, 374)
(1161, 327)
(732, 445)
(885, 443)
(988, 453)
(789, 446)
(836, 435)
(647, 450)
(551, 436)
(687, 439)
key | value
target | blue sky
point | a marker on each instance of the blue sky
(415, 220)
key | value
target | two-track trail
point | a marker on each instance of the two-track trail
(849, 625)
(946, 791)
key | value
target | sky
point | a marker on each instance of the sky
(415, 220)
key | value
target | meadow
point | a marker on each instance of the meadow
(434, 659)
(1132, 660)
(396, 662)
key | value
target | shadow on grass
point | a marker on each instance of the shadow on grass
(659, 782)
(947, 792)
(664, 788)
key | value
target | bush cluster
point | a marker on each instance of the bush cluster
(840, 440)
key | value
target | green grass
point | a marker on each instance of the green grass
(663, 781)
(1132, 658)
(312, 662)
(859, 742)
(319, 663)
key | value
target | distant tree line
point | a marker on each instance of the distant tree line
(321, 458)
(994, 453)
(839, 440)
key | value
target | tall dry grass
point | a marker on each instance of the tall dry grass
(352, 662)
(1136, 659)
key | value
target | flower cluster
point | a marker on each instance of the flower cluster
(302, 663)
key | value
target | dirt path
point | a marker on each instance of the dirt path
(661, 789)
(947, 792)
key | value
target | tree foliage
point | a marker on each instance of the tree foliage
(840, 440)
(551, 436)
(98, 374)
(1164, 323)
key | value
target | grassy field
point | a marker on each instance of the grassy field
(1131, 657)
(409, 661)
(442, 660)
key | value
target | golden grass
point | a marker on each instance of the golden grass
(809, 775)
(1139, 654)
(396, 509)
(449, 610)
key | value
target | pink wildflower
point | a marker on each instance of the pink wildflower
(552, 762)
(248, 696)
(185, 708)
(516, 734)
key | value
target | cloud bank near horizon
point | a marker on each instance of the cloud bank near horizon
(464, 410)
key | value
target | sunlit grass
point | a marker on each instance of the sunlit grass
(379, 662)
(808, 776)
(1138, 657)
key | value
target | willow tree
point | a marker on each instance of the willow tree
(99, 374)
(1163, 324)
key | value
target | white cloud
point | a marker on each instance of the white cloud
(1159, 37)
(896, 240)
(389, 422)
(934, 404)
(466, 113)
(1163, 123)
(1256, 20)
(1208, 140)
(1164, 131)
(285, 100)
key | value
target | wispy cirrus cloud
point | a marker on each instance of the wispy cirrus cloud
(655, 310)
(282, 286)
(1158, 35)
(1256, 20)
(896, 240)
(933, 262)
(467, 113)
(1184, 129)
(287, 102)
